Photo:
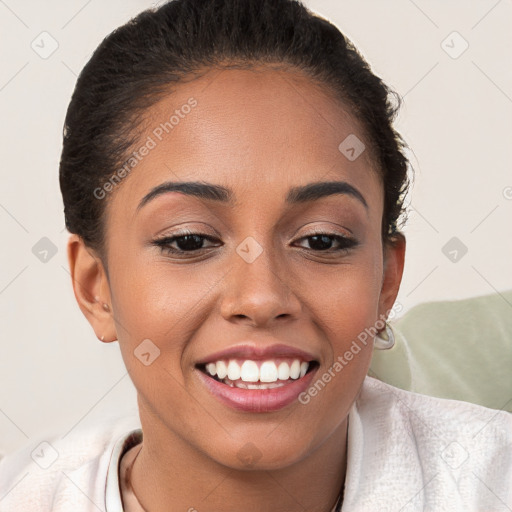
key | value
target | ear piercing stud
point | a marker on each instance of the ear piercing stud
(106, 307)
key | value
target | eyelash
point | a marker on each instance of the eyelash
(164, 243)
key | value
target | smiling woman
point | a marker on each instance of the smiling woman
(238, 262)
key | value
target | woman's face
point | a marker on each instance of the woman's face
(257, 280)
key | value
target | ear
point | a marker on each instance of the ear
(91, 288)
(394, 258)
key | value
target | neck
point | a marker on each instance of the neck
(169, 474)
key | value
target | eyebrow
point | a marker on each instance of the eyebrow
(296, 195)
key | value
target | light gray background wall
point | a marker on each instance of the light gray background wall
(54, 373)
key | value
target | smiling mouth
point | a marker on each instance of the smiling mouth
(252, 375)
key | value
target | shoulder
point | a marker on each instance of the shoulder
(418, 410)
(445, 453)
(62, 470)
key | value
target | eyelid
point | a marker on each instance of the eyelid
(340, 231)
(326, 232)
(182, 233)
(177, 231)
(325, 225)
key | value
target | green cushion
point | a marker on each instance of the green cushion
(453, 349)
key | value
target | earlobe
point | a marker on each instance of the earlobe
(91, 288)
(393, 270)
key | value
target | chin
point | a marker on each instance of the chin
(257, 453)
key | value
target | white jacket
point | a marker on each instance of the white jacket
(406, 452)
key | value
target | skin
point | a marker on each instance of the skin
(258, 132)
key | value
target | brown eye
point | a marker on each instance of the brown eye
(325, 242)
(183, 243)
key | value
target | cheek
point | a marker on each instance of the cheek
(159, 302)
(345, 310)
(349, 312)
(346, 300)
(145, 291)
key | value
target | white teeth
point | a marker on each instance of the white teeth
(249, 371)
(222, 369)
(295, 369)
(234, 371)
(271, 385)
(268, 372)
(283, 372)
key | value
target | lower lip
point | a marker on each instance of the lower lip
(257, 400)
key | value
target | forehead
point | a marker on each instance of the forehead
(258, 132)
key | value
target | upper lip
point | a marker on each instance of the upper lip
(251, 351)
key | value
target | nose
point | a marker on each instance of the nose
(259, 293)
